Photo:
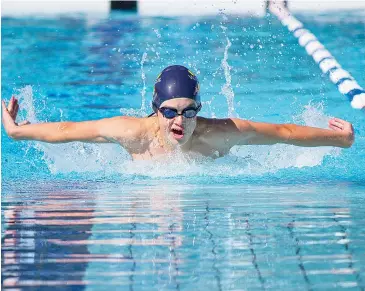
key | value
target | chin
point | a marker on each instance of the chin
(178, 141)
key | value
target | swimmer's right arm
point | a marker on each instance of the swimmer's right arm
(109, 130)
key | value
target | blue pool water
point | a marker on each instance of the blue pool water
(83, 216)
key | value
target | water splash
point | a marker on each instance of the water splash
(227, 90)
(141, 112)
(132, 112)
(281, 156)
(243, 160)
(27, 110)
(156, 31)
(72, 157)
(313, 116)
(111, 159)
(143, 76)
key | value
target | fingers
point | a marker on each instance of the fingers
(335, 128)
(338, 123)
(11, 104)
(12, 109)
(15, 105)
(3, 105)
(16, 109)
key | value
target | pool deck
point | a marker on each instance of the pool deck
(169, 7)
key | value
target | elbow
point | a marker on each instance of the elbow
(285, 132)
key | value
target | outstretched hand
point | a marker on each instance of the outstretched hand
(343, 127)
(9, 115)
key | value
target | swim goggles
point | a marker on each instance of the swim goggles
(188, 112)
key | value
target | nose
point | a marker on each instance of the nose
(179, 119)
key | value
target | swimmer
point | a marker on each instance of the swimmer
(174, 125)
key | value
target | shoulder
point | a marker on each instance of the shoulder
(223, 133)
(127, 127)
(222, 125)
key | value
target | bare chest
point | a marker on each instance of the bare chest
(154, 150)
(208, 149)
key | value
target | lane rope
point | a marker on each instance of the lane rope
(345, 83)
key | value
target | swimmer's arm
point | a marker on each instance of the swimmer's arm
(243, 132)
(109, 130)
(60, 132)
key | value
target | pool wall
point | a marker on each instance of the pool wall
(168, 7)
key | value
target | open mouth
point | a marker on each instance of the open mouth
(178, 133)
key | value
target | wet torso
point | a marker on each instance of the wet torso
(205, 141)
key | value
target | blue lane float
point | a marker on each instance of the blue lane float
(345, 83)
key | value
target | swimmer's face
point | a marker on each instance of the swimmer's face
(177, 130)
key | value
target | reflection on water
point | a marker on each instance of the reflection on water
(33, 221)
(174, 237)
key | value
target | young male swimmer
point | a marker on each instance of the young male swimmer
(174, 125)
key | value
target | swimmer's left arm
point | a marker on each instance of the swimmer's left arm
(340, 134)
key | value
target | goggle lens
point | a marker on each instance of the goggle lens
(170, 113)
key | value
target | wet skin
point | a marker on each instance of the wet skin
(149, 137)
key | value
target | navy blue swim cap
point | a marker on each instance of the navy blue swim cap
(175, 82)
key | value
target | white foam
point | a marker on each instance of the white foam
(243, 160)
(72, 157)
(25, 97)
(275, 157)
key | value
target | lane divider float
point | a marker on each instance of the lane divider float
(345, 83)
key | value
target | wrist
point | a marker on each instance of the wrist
(347, 140)
(14, 132)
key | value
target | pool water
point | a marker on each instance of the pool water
(84, 216)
